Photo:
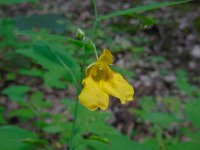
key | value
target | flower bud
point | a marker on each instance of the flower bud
(80, 34)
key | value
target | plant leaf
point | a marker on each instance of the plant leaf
(16, 92)
(141, 9)
(15, 1)
(192, 111)
(12, 138)
(46, 55)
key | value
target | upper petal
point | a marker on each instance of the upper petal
(117, 86)
(92, 96)
(99, 70)
(106, 57)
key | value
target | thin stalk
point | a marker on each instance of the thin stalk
(159, 137)
(95, 23)
(95, 51)
(96, 14)
(75, 120)
(77, 93)
(78, 90)
(68, 69)
(76, 105)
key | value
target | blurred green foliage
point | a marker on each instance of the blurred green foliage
(6, 2)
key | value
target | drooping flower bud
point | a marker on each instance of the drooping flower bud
(80, 34)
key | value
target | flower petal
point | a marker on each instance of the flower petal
(117, 86)
(100, 68)
(92, 96)
(106, 57)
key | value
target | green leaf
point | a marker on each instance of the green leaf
(89, 46)
(157, 59)
(98, 138)
(183, 84)
(137, 50)
(51, 38)
(146, 21)
(52, 59)
(12, 138)
(163, 119)
(150, 144)
(38, 142)
(101, 135)
(141, 9)
(192, 111)
(117, 142)
(25, 113)
(2, 120)
(16, 92)
(55, 128)
(184, 146)
(10, 76)
(38, 102)
(147, 104)
(15, 1)
(53, 79)
(173, 104)
(31, 72)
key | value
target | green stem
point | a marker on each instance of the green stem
(95, 22)
(96, 54)
(75, 119)
(96, 15)
(159, 136)
(78, 90)
(77, 93)
(68, 69)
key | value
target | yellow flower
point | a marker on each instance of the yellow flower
(101, 81)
